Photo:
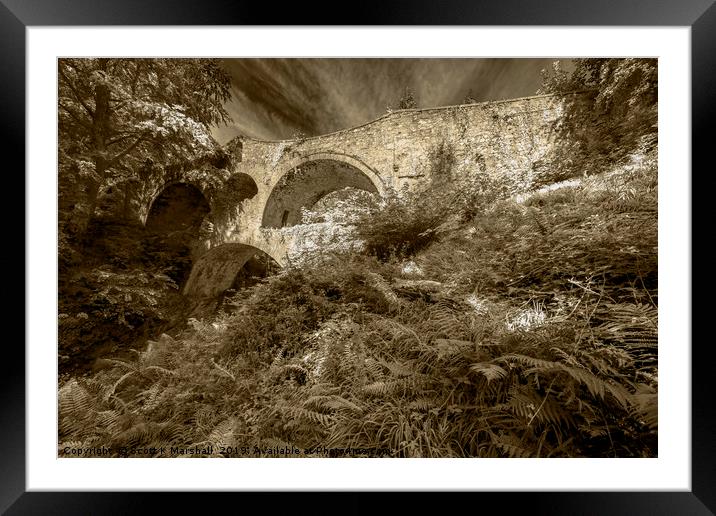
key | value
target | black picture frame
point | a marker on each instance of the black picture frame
(700, 15)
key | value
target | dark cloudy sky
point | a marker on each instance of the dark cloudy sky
(276, 98)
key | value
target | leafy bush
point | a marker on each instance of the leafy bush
(104, 310)
(617, 119)
(275, 317)
(279, 313)
(602, 232)
(457, 385)
(404, 223)
(122, 285)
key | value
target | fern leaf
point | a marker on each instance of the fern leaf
(489, 371)
(513, 451)
(646, 406)
(111, 420)
(448, 347)
(74, 400)
(222, 434)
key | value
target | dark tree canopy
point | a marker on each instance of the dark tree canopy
(117, 115)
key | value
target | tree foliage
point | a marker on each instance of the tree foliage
(120, 122)
(408, 101)
(617, 118)
(116, 116)
(469, 98)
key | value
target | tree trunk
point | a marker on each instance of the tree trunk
(82, 219)
(100, 127)
(92, 198)
(129, 188)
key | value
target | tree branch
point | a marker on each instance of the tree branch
(121, 138)
(126, 151)
(76, 117)
(77, 95)
(136, 77)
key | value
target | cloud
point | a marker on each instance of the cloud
(278, 98)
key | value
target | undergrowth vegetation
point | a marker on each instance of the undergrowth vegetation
(504, 329)
(122, 287)
(406, 222)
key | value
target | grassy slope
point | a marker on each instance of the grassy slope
(528, 331)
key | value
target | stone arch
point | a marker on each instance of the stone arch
(217, 270)
(177, 205)
(242, 185)
(238, 188)
(306, 180)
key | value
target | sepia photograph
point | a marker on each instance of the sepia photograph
(357, 257)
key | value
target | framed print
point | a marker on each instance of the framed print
(202, 173)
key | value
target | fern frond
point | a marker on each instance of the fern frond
(532, 406)
(446, 348)
(134, 366)
(74, 399)
(295, 370)
(374, 368)
(137, 435)
(535, 363)
(331, 403)
(399, 369)
(222, 434)
(110, 420)
(150, 397)
(423, 405)
(489, 371)
(306, 414)
(159, 369)
(596, 386)
(632, 324)
(116, 384)
(445, 317)
(514, 452)
(510, 445)
(174, 433)
(400, 386)
(646, 406)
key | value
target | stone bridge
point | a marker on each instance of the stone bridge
(244, 207)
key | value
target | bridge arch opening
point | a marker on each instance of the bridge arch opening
(178, 207)
(227, 200)
(177, 225)
(307, 183)
(240, 187)
(228, 267)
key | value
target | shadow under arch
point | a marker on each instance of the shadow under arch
(237, 188)
(309, 179)
(221, 268)
(177, 206)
